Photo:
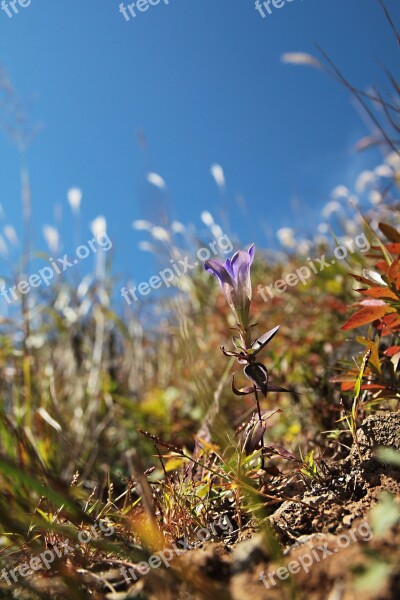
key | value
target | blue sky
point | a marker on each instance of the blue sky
(204, 81)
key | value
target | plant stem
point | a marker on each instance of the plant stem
(262, 425)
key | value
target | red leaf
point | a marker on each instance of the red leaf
(367, 315)
(372, 386)
(393, 248)
(392, 351)
(382, 266)
(348, 386)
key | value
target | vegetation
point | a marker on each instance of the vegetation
(124, 431)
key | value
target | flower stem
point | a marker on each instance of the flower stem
(262, 425)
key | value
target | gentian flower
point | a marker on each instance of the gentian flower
(234, 278)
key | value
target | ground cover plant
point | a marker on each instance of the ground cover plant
(197, 456)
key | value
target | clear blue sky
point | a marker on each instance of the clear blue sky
(204, 81)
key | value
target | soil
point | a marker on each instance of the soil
(330, 551)
(327, 525)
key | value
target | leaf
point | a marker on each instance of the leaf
(392, 351)
(379, 292)
(390, 232)
(372, 302)
(382, 265)
(258, 374)
(393, 248)
(394, 273)
(367, 315)
(390, 324)
(263, 340)
(277, 388)
(360, 279)
(253, 433)
(373, 579)
(46, 417)
(388, 455)
(172, 464)
(252, 436)
(374, 277)
(357, 387)
(229, 352)
(237, 342)
(46, 517)
(347, 386)
(20, 476)
(281, 451)
(347, 380)
(373, 346)
(345, 377)
(372, 386)
(385, 515)
(244, 391)
(395, 360)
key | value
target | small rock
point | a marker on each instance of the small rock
(249, 553)
(348, 519)
(377, 430)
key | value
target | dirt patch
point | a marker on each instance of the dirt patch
(325, 534)
(317, 545)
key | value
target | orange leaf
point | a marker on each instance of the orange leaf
(367, 315)
(379, 292)
(373, 346)
(348, 386)
(390, 324)
(394, 272)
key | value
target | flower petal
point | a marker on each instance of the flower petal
(217, 268)
(241, 263)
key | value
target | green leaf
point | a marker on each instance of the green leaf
(384, 515)
(374, 577)
(388, 455)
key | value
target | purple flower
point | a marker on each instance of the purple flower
(234, 278)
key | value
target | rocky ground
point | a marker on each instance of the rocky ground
(334, 546)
